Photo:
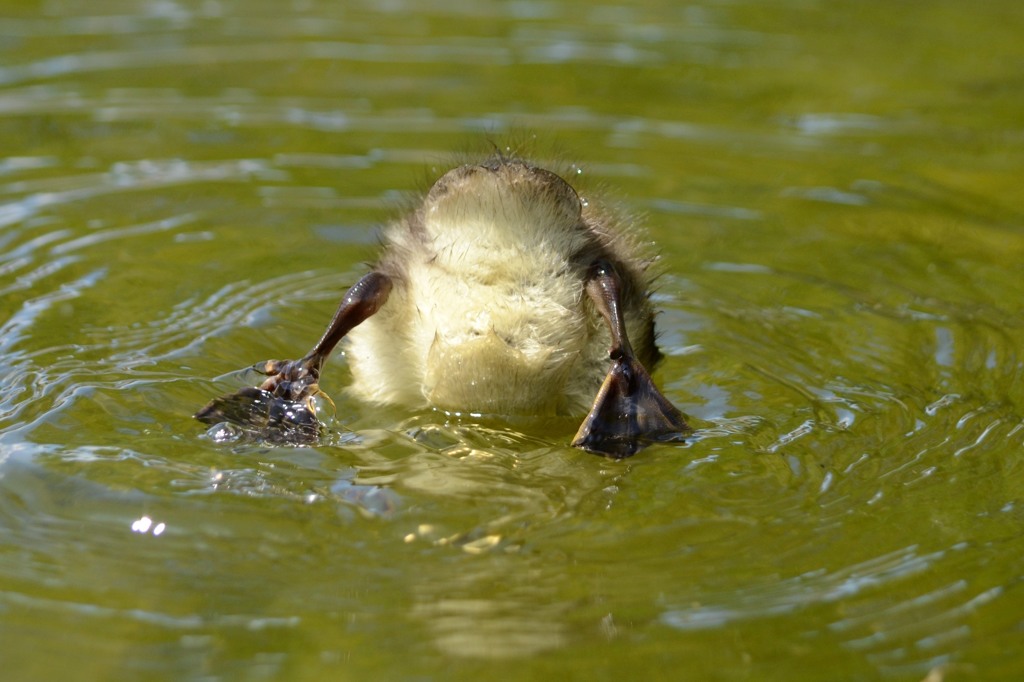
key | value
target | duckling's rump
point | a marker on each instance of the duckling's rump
(502, 293)
(488, 312)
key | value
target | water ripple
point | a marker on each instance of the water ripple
(122, 177)
(919, 627)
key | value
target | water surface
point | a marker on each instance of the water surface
(834, 189)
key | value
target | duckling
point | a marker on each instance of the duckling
(501, 293)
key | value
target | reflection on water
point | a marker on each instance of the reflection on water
(188, 188)
(476, 616)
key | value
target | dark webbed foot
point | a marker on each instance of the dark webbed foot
(629, 412)
(281, 408)
(263, 413)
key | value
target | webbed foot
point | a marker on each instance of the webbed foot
(263, 413)
(629, 411)
(281, 408)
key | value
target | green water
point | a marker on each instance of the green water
(834, 188)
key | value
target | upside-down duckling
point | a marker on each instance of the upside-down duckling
(502, 293)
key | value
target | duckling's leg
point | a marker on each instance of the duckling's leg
(360, 302)
(297, 379)
(628, 411)
(290, 384)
